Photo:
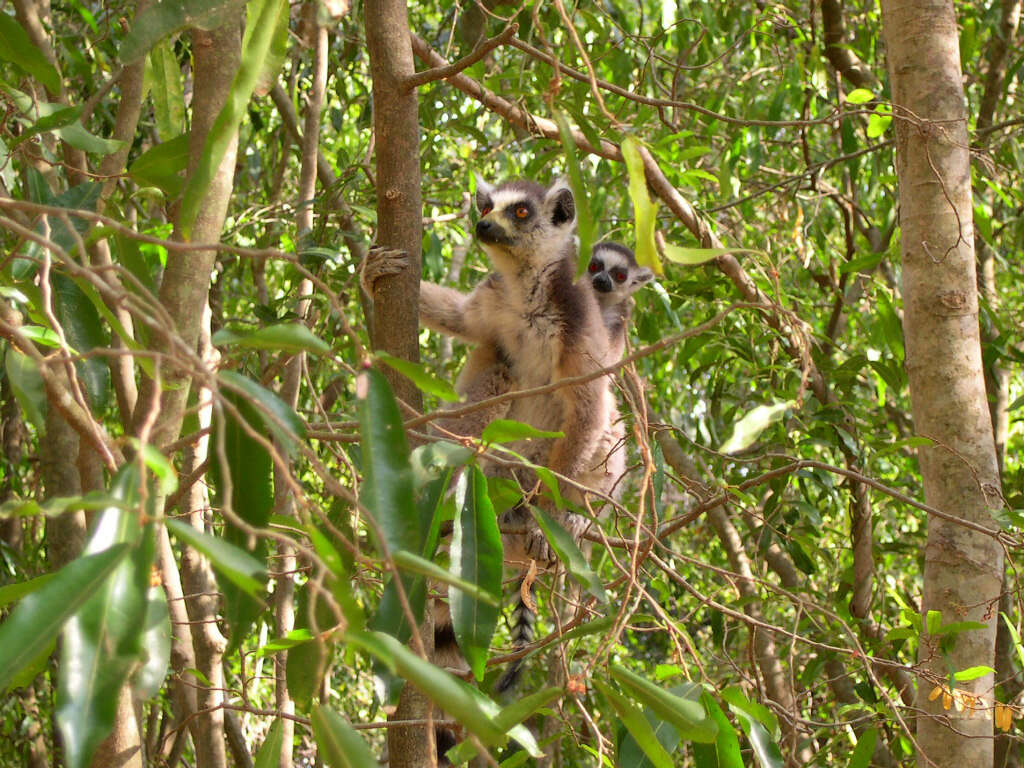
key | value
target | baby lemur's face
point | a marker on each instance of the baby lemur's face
(525, 223)
(614, 273)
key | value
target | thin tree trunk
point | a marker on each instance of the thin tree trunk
(396, 301)
(963, 568)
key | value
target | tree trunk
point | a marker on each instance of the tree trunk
(963, 567)
(396, 301)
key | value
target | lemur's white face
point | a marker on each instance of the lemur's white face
(522, 223)
(614, 273)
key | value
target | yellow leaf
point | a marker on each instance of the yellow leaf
(644, 211)
(947, 701)
(1004, 717)
(936, 692)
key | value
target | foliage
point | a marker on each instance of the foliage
(730, 547)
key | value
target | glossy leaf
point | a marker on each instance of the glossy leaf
(508, 430)
(644, 210)
(156, 645)
(859, 96)
(584, 216)
(445, 690)
(163, 166)
(11, 593)
(280, 337)
(476, 557)
(102, 643)
(241, 568)
(865, 750)
(507, 718)
(27, 384)
(685, 714)
(17, 47)
(725, 752)
(694, 256)
(635, 722)
(387, 489)
(85, 332)
(37, 618)
(562, 542)
(270, 752)
(419, 375)
(340, 745)
(260, 26)
(168, 96)
(746, 431)
(278, 417)
(765, 748)
(159, 20)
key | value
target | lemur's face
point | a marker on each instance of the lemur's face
(525, 221)
(614, 273)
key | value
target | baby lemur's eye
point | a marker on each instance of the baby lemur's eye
(522, 211)
(486, 209)
(619, 274)
(594, 268)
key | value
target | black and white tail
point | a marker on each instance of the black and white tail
(524, 620)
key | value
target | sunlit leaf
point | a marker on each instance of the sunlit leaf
(584, 216)
(415, 564)
(27, 384)
(509, 430)
(270, 751)
(168, 96)
(245, 571)
(687, 715)
(418, 374)
(859, 96)
(746, 431)
(694, 256)
(865, 750)
(635, 722)
(644, 210)
(260, 26)
(476, 556)
(156, 644)
(281, 337)
(35, 621)
(509, 716)
(17, 47)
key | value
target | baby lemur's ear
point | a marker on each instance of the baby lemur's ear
(642, 275)
(560, 202)
(484, 194)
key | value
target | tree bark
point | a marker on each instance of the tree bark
(399, 204)
(963, 568)
(396, 301)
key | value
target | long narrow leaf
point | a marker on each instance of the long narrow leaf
(340, 745)
(637, 725)
(561, 541)
(241, 568)
(686, 715)
(35, 621)
(477, 559)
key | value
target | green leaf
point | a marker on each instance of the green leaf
(694, 256)
(410, 562)
(687, 715)
(278, 417)
(878, 123)
(418, 374)
(245, 571)
(455, 697)
(51, 121)
(765, 749)
(584, 216)
(725, 752)
(156, 644)
(637, 725)
(11, 593)
(102, 643)
(859, 96)
(168, 96)
(933, 620)
(562, 542)
(746, 431)
(162, 166)
(387, 490)
(476, 557)
(510, 716)
(972, 673)
(17, 48)
(340, 745)
(644, 211)
(280, 337)
(159, 20)
(260, 25)
(432, 460)
(270, 752)
(27, 384)
(865, 750)
(35, 621)
(509, 430)
(85, 332)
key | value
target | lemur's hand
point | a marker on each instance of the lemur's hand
(379, 262)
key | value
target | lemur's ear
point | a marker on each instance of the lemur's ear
(561, 203)
(484, 193)
(642, 275)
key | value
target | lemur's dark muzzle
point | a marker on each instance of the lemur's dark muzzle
(603, 283)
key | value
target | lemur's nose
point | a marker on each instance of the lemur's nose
(483, 227)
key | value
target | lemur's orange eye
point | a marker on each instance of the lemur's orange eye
(485, 210)
(522, 211)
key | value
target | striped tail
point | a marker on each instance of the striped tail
(524, 619)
